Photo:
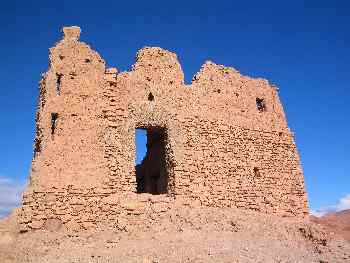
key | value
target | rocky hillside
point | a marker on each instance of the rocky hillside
(338, 222)
(183, 234)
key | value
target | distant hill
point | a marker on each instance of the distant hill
(338, 222)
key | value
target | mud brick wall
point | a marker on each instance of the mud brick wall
(238, 168)
(226, 139)
(70, 123)
(79, 209)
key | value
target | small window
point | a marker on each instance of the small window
(256, 172)
(58, 83)
(54, 117)
(260, 104)
(37, 146)
(150, 97)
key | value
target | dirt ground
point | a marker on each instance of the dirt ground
(182, 234)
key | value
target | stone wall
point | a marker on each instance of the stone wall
(226, 139)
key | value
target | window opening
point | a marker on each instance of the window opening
(37, 146)
(54, 117)
(150, 97)
(58, 83)
(260, 104)
(256, 171)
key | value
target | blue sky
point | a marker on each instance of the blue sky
(302, 46)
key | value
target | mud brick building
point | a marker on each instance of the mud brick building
(222, 141)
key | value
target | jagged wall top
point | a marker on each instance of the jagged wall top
(216, 91)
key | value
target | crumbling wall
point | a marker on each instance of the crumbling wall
(227, 142)
(223, 149)
(69, 146)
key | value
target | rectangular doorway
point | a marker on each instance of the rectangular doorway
(151, 168)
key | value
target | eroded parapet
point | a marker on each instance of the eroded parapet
(216, 92)
(158, 66)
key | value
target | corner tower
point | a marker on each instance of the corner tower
(69, 147)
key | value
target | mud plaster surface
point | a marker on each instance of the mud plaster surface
(220, 149)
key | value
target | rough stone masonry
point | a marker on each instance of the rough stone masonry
(222, 141)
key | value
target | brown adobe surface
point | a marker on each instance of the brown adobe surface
(223, 140)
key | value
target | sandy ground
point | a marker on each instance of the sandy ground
(181, 235)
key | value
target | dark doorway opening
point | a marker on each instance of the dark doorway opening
(152, 172)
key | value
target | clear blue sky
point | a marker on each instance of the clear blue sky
(302, 46)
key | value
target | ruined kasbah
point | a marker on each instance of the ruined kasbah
(221, 141)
